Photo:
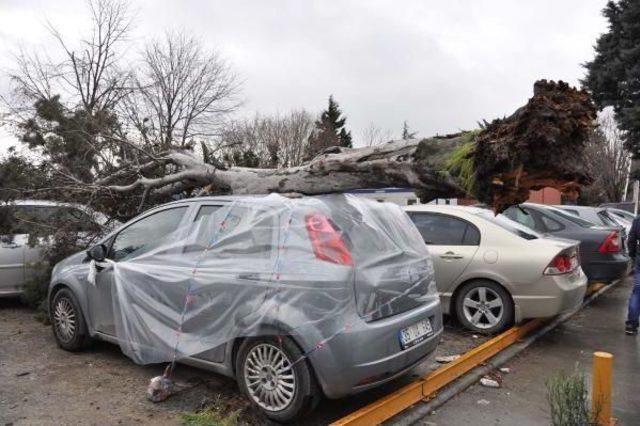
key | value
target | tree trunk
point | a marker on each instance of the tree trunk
(539, 145)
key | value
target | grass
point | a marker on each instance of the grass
(460, 163)
(210, 416)
(568, 399)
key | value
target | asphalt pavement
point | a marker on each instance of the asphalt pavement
(521, 399)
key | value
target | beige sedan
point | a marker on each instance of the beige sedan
(491, 271)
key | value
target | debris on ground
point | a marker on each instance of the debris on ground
(483, 402)
(505, 370)
(445, 359)
(160, 388)
(24, 373)
(489, 383)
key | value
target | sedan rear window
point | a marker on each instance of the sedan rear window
(509, 225)
(575, 219)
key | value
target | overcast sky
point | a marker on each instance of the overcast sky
(440, 65)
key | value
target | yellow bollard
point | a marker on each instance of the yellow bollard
(601, 387)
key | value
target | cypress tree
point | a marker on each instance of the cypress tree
(330, 130)
(613, 76)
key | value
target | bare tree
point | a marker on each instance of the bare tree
(86, 76)
(270, 142)
(373, 135)
(91, 72)
(607, 161)
(182, 92)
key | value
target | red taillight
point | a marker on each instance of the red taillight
(562, 264)
(611, 244)
(326, 241)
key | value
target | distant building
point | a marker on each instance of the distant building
(406, 196)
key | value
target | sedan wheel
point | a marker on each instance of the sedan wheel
(269, 377)
(484, 307)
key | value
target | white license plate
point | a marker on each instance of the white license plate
(415, 333)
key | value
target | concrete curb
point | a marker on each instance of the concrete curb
(413, 415)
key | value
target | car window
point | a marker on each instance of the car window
(606, 219)
(510, 225)
(521, 216)
(205, 211)
(575, 219)
(245, 233)
(440, 229)
(550, 224)
(145, 234)
(44, 220)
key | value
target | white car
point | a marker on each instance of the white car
(492, 271)
(19, 260)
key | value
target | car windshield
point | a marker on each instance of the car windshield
(572, 218)
(508, 224)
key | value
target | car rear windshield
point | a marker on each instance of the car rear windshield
(572, 218)
(509, 225)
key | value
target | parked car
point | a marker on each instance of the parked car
(597, 215)
(19, 257)
(627, 206)
(601, 247)
(491, 271)
(370, 252)
(623, 214)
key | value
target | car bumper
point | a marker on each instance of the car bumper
(369, 354)
(552, 295)
(609, 269)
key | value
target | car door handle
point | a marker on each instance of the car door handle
(451, 255)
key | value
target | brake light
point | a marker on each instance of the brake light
(562, 264)
(611, 244)
(326, 241)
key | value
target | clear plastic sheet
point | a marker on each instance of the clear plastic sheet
(269, 266)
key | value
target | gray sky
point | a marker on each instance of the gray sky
(440, 65)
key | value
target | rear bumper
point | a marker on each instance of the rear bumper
(369, 354)
(551, 296)
(607, 269)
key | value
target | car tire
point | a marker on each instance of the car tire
(484, 307)
(67, 321)
(282, 397)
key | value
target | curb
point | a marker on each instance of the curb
(419, 412)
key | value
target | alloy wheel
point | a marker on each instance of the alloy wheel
(270, 377)
(483, 307)
(64, 318)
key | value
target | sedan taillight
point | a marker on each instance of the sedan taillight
(563, 263)
(611, 244)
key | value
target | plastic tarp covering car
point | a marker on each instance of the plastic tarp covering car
(268, 265)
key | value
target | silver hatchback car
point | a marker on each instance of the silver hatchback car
(295, 298)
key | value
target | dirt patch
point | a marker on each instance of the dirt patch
(42, 384)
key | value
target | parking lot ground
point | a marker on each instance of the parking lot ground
(42, 384)
(521, 399)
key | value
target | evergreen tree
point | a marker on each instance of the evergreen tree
(330, 130)
(613, 77)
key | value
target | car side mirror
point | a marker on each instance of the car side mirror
(97, 253)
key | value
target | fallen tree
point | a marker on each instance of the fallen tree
(539, 145)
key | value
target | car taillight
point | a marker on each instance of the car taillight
(562, 264)
(611, 244)
(326, 241)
